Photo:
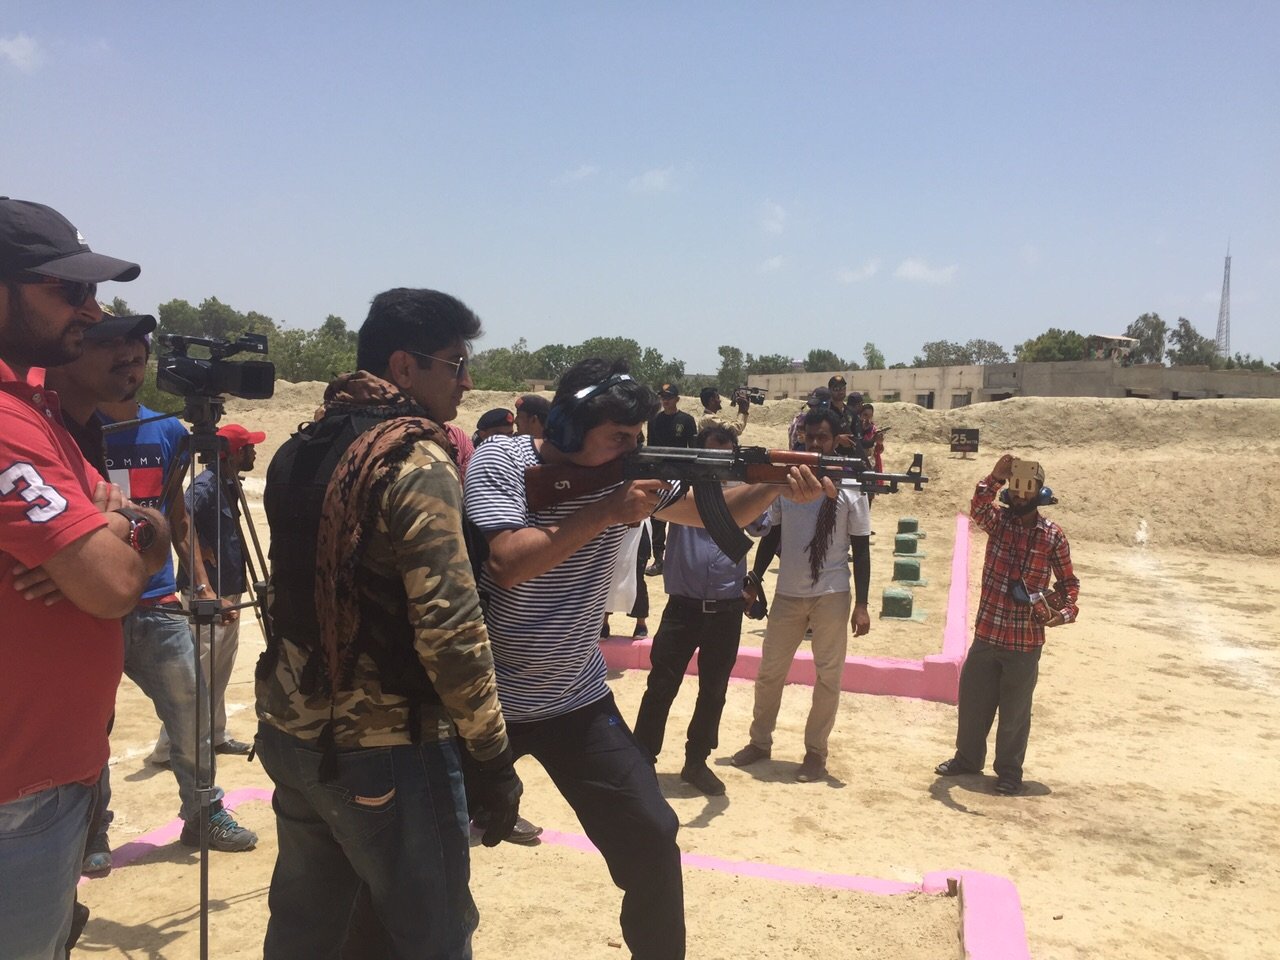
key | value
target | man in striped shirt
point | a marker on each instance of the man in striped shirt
(547, 581)
(1024, 550)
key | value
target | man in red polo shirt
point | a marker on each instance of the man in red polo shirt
(74, 557)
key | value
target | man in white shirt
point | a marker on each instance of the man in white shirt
(812, 593)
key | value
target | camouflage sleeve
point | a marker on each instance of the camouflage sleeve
(423, 514)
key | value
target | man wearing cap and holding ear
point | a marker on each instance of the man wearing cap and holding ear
(74, 557)
(1024, 550)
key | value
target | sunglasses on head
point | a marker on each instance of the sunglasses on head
(75, 292)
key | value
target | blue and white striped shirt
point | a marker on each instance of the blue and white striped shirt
(545, 632)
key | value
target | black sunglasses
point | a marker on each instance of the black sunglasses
(75, 292)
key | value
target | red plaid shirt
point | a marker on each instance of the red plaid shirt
(1014, 550)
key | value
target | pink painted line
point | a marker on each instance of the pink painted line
(936, 677)
(990, 908)
(164, 835)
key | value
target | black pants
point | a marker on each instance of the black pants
(659, 537)
(994, 679)
(595, 762)
(640, 609)
(683, 630)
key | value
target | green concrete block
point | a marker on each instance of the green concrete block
(906, 568)
(908, 525)
(896, 602)
(905, 543)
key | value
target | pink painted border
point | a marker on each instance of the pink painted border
(991, 926)
(936, 677)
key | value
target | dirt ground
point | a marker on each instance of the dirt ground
(1151, 826)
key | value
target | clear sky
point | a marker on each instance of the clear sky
(774, 176)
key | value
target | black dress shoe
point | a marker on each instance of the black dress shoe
(236, 748)
(700, 777)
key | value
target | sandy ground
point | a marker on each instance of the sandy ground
(1150, 827)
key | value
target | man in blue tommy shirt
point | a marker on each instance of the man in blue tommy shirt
(707, 594)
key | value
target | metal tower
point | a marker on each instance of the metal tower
(1224, 311)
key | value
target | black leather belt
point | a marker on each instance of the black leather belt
(708, 606)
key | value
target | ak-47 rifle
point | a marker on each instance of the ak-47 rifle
(704, 471)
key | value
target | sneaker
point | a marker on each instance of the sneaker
(654, 569)
(237, 748)
(699, 776)
(97, 857)
(224, 834)
(812, 769)
(525, 832)
(749, 755)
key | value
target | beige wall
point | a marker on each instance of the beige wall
(943, 388)
(949, 386)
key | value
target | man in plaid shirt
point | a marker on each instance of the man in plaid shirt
(1023, 551)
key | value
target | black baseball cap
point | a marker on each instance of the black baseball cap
(707, 393)
(108, 328)
(38, 239)
(668, 390)
(819, 397)
(498, 417)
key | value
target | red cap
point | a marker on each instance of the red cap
(238, 437)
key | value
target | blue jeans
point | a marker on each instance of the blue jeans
(394, 819)
(159, 656)
(42, 839)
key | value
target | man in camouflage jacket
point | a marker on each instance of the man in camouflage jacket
(359, 713)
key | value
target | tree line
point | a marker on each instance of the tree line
(330, 349)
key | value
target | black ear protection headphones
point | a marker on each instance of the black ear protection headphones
(1045, 499)
(565, 429)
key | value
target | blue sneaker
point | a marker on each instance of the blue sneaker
(224, 834)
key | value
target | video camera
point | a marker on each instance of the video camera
(215, 376)
(753, 394)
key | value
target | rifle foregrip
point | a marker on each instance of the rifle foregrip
(708, 496)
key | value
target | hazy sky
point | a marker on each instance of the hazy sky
(774, 176)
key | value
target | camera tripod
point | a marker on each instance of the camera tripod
(202, 445)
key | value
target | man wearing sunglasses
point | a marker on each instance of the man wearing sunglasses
(379, 671)
(74, 558)
(1024, 551)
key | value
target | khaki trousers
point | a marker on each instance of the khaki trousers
(828, 616)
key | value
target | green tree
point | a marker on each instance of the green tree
(1189, 349)
(1053, 344)
(551, 361)
(119, 308)
(941, 353)
(822, 361)
(503, 368)
(732, 372)
(873, 357)
(983, 352)
(1150, 332)
(768, 363)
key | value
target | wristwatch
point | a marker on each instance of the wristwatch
(142, 532)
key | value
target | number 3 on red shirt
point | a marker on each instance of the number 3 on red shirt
(48, 503)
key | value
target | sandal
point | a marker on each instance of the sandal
(953, 768)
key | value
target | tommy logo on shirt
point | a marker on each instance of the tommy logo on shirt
(139, 472)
